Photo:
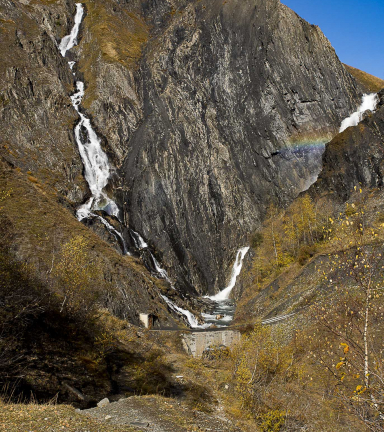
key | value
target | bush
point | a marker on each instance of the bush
(256, 240)
(216, 352)
(77, 278)
(305, 253)
(272, 421)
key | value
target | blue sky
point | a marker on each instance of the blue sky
(354, 27)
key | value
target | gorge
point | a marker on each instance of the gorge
(178, 167)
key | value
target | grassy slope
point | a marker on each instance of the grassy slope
(295, 286)
(41, 225)
(368, 81)
(113, 35)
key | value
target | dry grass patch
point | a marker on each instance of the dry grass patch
(50, 418)
(368, 81)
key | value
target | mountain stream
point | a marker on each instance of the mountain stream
(97, 174)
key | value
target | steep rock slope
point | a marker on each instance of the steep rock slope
(231, 95)
(207, 110)
(36, 115)
(354, 157)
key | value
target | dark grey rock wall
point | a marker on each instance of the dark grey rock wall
(229, 89)
(208, 110)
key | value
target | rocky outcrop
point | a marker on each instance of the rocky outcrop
(354, 158)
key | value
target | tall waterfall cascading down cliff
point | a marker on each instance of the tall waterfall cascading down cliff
(238, 264)
(97, 173)
(95, 161)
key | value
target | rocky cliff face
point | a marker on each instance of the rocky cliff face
(235, 99)
(354, 157)
(36, 116)
(209, 111)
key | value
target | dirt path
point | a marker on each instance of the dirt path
(158, 414)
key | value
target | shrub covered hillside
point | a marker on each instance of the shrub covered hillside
(324, 264)
(319, 265)
(63, 291)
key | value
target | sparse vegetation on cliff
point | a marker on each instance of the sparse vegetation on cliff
(368, 81)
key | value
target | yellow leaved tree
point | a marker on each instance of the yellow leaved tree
(351, 324)
(78, 279)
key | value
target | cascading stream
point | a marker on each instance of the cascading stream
(70, 41)
(369, 102)
(95, 161)
(236, 269)
(97, 173)
(97, 170)
(223, 312)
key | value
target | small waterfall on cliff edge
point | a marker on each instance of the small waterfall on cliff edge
(236, 269)
(222, 314)
(192, 320)
(369, 102)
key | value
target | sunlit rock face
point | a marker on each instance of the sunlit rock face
(208, 112)
(354, 158)
(238, 101)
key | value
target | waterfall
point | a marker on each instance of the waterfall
(95, 161)
(369, 102)
(236, 269)
(139, 241)
(114, 231)
(141, 244)
(70, 41)
(192, 320)
(97, 171)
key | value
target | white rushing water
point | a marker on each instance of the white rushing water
(139, 241)
(162, 272)
(70, 41)
(369, 102)
(95, 161)
(114, 232)
(141, 244)
(236, 269)
(97, 171)
(192, 320)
